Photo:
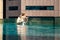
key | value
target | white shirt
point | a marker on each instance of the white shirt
(19, 20)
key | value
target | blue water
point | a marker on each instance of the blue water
(41, 28)
(36, 29)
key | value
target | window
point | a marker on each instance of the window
(50, 8)
(13, 8)
(39, 7)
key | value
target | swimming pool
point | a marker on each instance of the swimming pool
(36, 27)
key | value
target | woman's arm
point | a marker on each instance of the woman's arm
(26, 19)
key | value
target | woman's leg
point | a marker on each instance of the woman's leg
(23, 33)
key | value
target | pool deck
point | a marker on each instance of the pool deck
(1, 31)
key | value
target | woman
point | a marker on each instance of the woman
(22, 19)
(22, 28)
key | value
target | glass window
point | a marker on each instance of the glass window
(39, 7)
(13, 8)
(50, 8)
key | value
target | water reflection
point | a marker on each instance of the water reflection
(10, 31)
(22, 30)
(35, 30)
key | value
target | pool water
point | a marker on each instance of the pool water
(35, 27)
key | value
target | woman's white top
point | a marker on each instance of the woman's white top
(19, 20)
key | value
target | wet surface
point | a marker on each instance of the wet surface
(35, 30)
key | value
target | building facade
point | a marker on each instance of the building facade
(51, 7)
(13, 8)
(42, 8)
(1, 9)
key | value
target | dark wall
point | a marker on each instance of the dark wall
(4, 8)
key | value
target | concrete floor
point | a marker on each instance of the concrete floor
(1, 31)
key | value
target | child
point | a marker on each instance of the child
(22, 19)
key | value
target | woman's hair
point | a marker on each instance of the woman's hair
(22, 14)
